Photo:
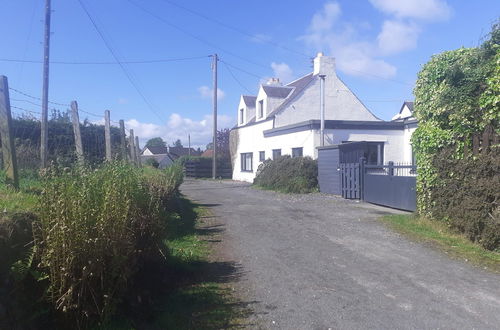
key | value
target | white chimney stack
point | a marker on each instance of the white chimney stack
(324, 65)
(273, 82)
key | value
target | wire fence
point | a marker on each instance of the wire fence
(23, 130)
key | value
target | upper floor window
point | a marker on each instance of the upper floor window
(262, 156)
(276, 153)
(261, 108)
(296, 152)
(242, 118)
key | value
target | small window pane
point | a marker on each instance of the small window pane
(296, 152)
(276, 153)
(262, 156)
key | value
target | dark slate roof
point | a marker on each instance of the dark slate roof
(298, 85)
(277, 91)
(157, 150)
(181, 151)
(409, 104)
(249, 100)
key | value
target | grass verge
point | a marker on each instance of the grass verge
(195, 292)
(441, 236)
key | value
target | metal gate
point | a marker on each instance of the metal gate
(350, 180)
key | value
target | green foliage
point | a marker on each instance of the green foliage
(466, 193)
(152, 162)
(456, 95)
(96, 227)
(289, 175)
(155, 142)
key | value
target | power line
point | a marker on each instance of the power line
(35, 97)
(113, 53)
(106, 63)
(194, 36)
(230, 27)
(240, 69)
(26, 110)
(236, 79)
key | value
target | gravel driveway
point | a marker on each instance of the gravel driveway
(319, 262)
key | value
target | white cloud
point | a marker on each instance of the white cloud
(353, 55)
(432, 10)
(282, 71)
(179, 127)
(397, 36)
(207, 93)
(122, 100)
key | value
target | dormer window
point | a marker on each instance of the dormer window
(242, 118)
(261, 108)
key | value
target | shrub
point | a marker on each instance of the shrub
(96, 227)
(467, 195)
(289, 175)
(152, 162)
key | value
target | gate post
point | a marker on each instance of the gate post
(391, 168)
(362, 162)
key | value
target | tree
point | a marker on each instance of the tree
(177, 144)
(156, 142)
(222, 143)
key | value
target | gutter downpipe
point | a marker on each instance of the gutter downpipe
(322, 109)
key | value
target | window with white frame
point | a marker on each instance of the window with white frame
(276, 153)
(242, 118)
(246, 162)
(261, 108)
(262, 156)
(296, 152)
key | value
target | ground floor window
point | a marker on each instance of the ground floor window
(246, 162)
(375, 153)
(276, 153)
(262, 156)
(296, 152)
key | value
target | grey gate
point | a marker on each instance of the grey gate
(350, 180)
(392, 185)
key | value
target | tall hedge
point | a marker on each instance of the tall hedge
(457, 94)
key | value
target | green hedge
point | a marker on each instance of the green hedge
(467, 195)
(289, 175)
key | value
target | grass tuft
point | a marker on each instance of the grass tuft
(440, 235)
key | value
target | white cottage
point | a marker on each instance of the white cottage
(285, 119)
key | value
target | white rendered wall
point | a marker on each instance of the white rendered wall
(147, 152)
(393, 140)
(251, 139)
(408, 132)
(340, 104)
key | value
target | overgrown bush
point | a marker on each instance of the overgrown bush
(289, 175)
(468, 195)
(95, 230)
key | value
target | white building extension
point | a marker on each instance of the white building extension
(285, 119)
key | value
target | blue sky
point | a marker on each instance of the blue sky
(379, 45)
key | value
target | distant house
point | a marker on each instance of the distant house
(165, 156)
(285, 120)
(207, 153)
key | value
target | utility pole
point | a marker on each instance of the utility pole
(44, 138)
(8, 148)
(322, 109)
(214, 156)
(189, 144)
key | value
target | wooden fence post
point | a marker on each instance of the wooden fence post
(123, 141)
(8, 149)
(75, 119)
(137, 152)
(107, 135)
(131, 142)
